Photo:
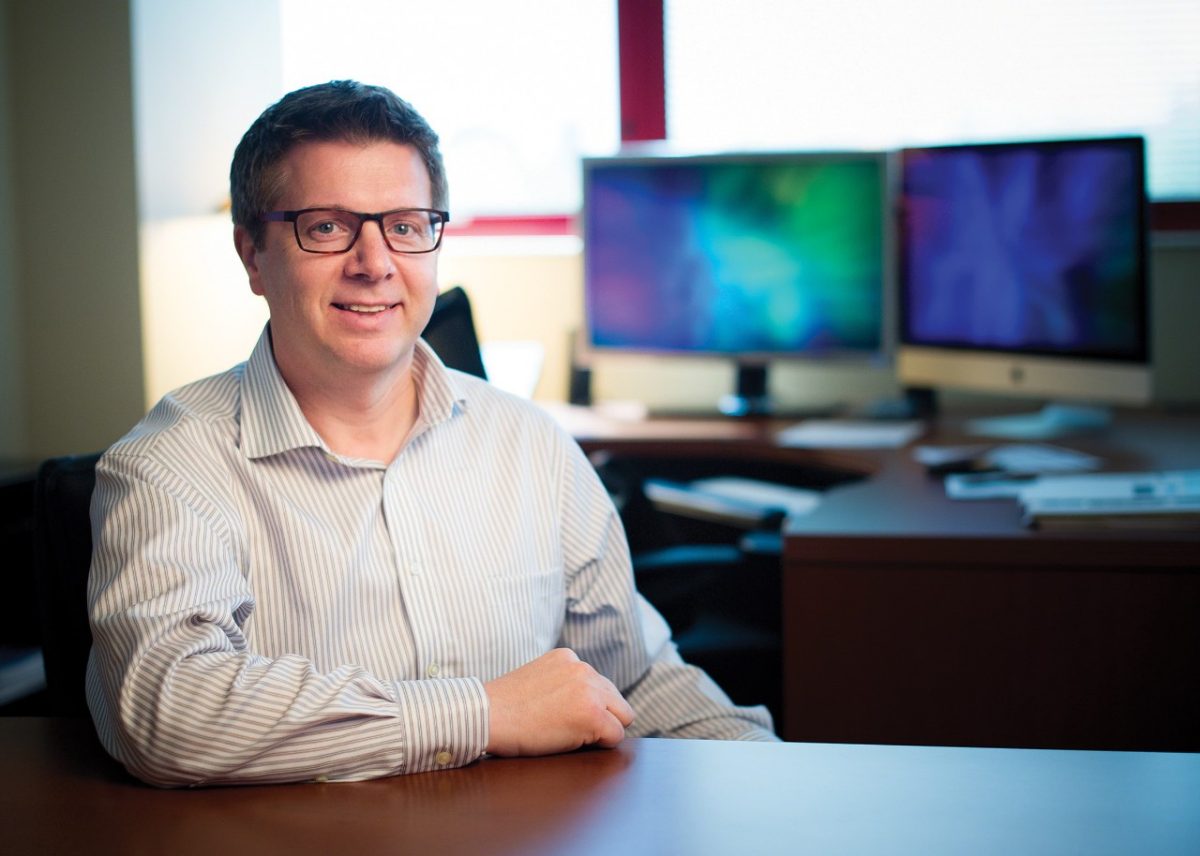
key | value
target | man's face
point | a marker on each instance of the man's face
(326, 323)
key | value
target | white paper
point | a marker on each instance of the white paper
(793, 500)
(849, 434)
(1040, 458)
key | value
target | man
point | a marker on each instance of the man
(340, 559)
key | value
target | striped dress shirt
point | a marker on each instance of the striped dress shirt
(264, 609)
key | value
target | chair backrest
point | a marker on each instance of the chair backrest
(451, 333)
(62, 558)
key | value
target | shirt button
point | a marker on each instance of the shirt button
(434, 670)
(443, 758)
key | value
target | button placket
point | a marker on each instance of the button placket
(402, 516)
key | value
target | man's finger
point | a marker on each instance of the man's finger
(610, 733)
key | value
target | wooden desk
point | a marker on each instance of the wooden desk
(912, 618)
(59, 794)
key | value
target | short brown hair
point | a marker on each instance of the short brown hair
(338, 110)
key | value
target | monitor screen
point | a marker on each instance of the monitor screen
(747, 255)
(1034, 252)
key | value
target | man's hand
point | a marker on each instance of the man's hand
(554, 704)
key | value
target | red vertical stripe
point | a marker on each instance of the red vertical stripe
(643, 78)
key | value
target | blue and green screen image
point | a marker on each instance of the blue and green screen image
(767, 254)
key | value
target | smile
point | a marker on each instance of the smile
(364, 308)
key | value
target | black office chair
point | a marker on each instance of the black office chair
(717, 584)
(62, 558)
(451, 333)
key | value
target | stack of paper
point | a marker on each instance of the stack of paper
(749, 503)
(849, 434)
(1168, 499)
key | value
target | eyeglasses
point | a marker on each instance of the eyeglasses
(332, 230)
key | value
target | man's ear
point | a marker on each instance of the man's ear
(243, 242)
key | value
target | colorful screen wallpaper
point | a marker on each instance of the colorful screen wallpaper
(1030, 247)
(735, 255)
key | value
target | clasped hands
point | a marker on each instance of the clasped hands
(553, 704)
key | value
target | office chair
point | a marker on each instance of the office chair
(717, 584)
(451, 333)
(62, 558)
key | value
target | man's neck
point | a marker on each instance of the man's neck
(369, 417)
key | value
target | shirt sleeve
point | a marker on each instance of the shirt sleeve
(178, 696)
(609, 625)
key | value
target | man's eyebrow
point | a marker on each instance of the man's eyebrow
(337, 207)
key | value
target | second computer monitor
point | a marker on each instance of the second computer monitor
(1023, 269)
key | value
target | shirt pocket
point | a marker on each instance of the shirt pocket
(522, 613)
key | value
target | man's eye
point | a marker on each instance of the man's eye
(327, 229)
(402, 228)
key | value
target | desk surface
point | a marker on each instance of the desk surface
(901, 512)
(886, 503)
(60, 794)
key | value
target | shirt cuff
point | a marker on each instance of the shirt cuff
(445, 722)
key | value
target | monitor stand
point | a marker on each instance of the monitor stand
(749, 401)
(750, 397)
(916, 402)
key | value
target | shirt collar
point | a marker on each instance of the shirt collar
(442, 394)
(272, 421)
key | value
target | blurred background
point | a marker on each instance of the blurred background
(118, 119)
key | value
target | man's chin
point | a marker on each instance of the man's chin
(380, 359)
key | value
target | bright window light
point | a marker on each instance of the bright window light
(880, 74)
(518, 92)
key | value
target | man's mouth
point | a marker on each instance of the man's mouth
(363, 308)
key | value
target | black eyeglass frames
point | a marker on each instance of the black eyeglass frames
(333, 230)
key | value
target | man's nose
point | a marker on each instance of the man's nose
(371, 258)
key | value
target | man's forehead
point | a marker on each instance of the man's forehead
(357, 168)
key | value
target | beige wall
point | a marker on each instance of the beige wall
(73, 292)
(1175, 313)
(522, 290)
(13, 440)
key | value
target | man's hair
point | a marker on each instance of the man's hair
(341, 110)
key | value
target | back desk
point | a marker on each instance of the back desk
(912, 618)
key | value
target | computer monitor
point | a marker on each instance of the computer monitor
(1022, 269)
(753, 257)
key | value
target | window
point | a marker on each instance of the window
(518, 92)
(879, 74)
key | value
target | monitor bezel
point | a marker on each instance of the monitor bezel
(1139, 354)
(1094, 376)
(881, 355)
